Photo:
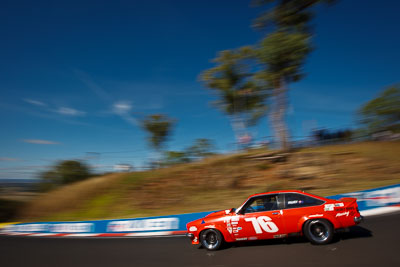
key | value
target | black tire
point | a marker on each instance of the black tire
(211, 239)
(318, 232)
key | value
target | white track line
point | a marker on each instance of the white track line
(379, 211)
(150, 234)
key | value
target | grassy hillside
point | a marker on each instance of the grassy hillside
(221, 182)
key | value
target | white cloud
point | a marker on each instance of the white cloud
(60, 110)
(40, 142)
(34, 102)
(122, 107)
(70, 111)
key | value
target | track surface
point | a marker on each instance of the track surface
(376, 242)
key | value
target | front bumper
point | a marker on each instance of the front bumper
(193, 238)
(190, 235)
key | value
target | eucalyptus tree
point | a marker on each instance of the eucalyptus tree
(159, 127)
(282, 53)
(383, 112)
(238, 94)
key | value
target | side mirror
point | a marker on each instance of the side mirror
(240, 212)
(232, 210)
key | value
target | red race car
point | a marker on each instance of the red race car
(277, 214)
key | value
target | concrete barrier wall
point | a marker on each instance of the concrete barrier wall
(373, 201)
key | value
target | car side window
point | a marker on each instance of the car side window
(293, 200)
(261, 203)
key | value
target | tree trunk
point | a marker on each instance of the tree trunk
(278, 113)
(239, 128)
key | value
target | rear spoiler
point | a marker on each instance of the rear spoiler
(348, 200)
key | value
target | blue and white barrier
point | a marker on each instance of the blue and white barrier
(376, 201)
(150, 226)
(370, 202)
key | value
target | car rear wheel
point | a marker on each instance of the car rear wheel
(211, 239)
(318, 232)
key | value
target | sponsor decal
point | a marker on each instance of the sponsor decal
(339, 204)
(241, 239)
(342, 214)
(292, 202)
(263, 223)
(210, 226)
(39, 227)
(193, 229)
(143, 225)
(280, 236)
(55, 227)
(382, 197)
(235, 218)
(329, 207)
(236, 230)
(72, 227)
(253, 238)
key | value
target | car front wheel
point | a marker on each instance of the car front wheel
(318, 232)
(211, 239)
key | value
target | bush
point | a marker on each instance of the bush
(64, 172)
(9, 209)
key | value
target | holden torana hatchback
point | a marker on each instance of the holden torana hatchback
(277, 214)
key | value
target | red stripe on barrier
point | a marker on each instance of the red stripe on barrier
(59, 235)
(112, 234)
(179, 232)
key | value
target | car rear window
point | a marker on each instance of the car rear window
(293, 200)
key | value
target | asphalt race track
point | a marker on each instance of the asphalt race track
(376, 242)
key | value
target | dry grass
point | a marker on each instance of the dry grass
(69, 196)
(221, 182)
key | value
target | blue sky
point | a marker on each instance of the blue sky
(75, 76)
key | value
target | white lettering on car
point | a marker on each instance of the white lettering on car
(263, 222)
(235, 218)
(342, 214)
